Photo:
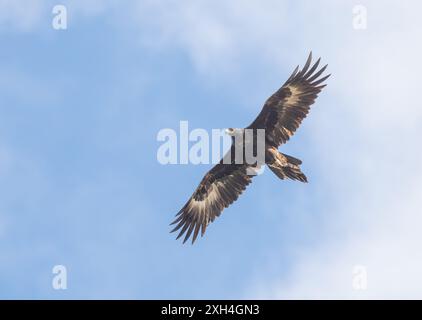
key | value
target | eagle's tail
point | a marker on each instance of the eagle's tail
(285, 166)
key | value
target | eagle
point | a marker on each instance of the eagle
(279, 119)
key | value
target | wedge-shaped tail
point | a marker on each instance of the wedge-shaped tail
(285, 166)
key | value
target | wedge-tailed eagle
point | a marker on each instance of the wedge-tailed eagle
(280, 116)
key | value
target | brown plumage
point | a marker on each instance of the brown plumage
(280, 117)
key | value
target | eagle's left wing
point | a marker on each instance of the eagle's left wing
(219, 188)
(284, 111)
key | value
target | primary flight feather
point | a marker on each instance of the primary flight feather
(280, 117)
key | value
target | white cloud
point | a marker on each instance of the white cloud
(20, 15)
(212, 33)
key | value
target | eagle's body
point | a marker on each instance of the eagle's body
(280, 117)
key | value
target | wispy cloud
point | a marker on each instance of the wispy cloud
(20, 15)
(216, 33)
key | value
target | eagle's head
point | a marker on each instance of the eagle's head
(234, 131)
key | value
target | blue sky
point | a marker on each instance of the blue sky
(80, 184)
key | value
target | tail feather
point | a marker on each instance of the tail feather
(287, 167)
(292, 160)
(294, 173)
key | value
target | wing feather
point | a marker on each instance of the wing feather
(219, 188)
(284, 111)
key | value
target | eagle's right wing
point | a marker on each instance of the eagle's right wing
(219, 188)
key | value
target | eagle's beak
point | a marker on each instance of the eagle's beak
(230, 132)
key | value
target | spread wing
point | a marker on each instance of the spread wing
(219, 188)
(284, 111)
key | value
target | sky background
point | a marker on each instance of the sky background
(80, 184)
